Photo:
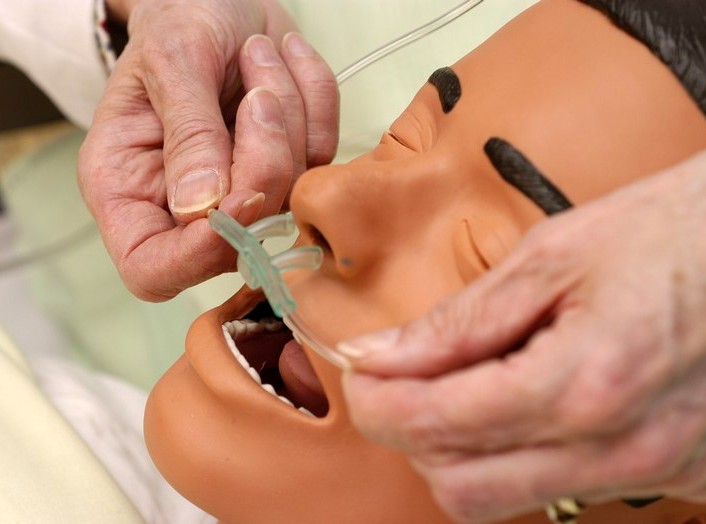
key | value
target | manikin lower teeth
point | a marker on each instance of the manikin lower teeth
(230, 337)
(306, 412)
(232, 330)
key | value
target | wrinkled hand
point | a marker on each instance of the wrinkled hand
(165, 145)
(577, 367)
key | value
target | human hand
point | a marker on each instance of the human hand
(165, 144)
(576, 367)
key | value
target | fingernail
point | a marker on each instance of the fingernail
(250, 209)
(262, 51)
(297, 45)
(196, 191)
(265, 108)
(370, 345)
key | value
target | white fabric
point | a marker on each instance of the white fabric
(53, 43)
(107, 414)
(48, 473)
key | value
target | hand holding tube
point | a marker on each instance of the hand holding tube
(576, 368)
(161, 151)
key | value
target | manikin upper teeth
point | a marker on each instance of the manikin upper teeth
(271, 324)
(236, 328)
(242, 327)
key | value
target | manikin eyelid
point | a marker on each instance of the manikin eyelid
(481, 242)
(469, 258)
(399, 140)
(415, 128)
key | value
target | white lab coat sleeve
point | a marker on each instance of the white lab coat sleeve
(54, 43)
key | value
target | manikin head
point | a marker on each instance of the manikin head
(413, 221)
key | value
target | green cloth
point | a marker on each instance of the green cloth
(108, 328)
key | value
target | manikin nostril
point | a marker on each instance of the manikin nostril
(347, 264)
(318, 239)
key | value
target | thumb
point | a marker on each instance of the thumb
(490, 318)
(197, 146)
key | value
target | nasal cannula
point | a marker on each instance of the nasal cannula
(261, 270)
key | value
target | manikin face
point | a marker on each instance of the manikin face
(402, 227)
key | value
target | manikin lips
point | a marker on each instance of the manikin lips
(273, 357)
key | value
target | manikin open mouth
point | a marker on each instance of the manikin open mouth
(267, 350)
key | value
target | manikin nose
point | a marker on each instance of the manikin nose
(335, 209)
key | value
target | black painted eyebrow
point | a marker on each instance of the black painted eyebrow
(519, 172)
(448, 85)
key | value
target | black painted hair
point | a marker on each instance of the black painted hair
(519, 172)
(448, 85)
(674, 30)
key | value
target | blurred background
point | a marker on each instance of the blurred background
(60, 295)
(27, 117)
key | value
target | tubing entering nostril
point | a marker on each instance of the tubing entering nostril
(318, 238)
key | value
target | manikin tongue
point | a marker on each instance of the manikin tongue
(303, 386)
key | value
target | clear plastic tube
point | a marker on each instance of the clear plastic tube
(406, 39)
(307, 336)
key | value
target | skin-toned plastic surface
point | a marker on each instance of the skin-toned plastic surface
(401, 228)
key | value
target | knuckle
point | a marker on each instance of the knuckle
(455, 498)
(655, 453)
(322, 90)
(689, 478)
(450, 320)
(593, 409)
(141, 285)
(544, 250)
(542, 242)
(292, 106)
(689, 482)
(606, 395)
(463, 499)
(90, 155)
(86, 166)
(163, 56)
(425, 433)
(190, 133)
(651, 461)
(321, 147)
(420, 424)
